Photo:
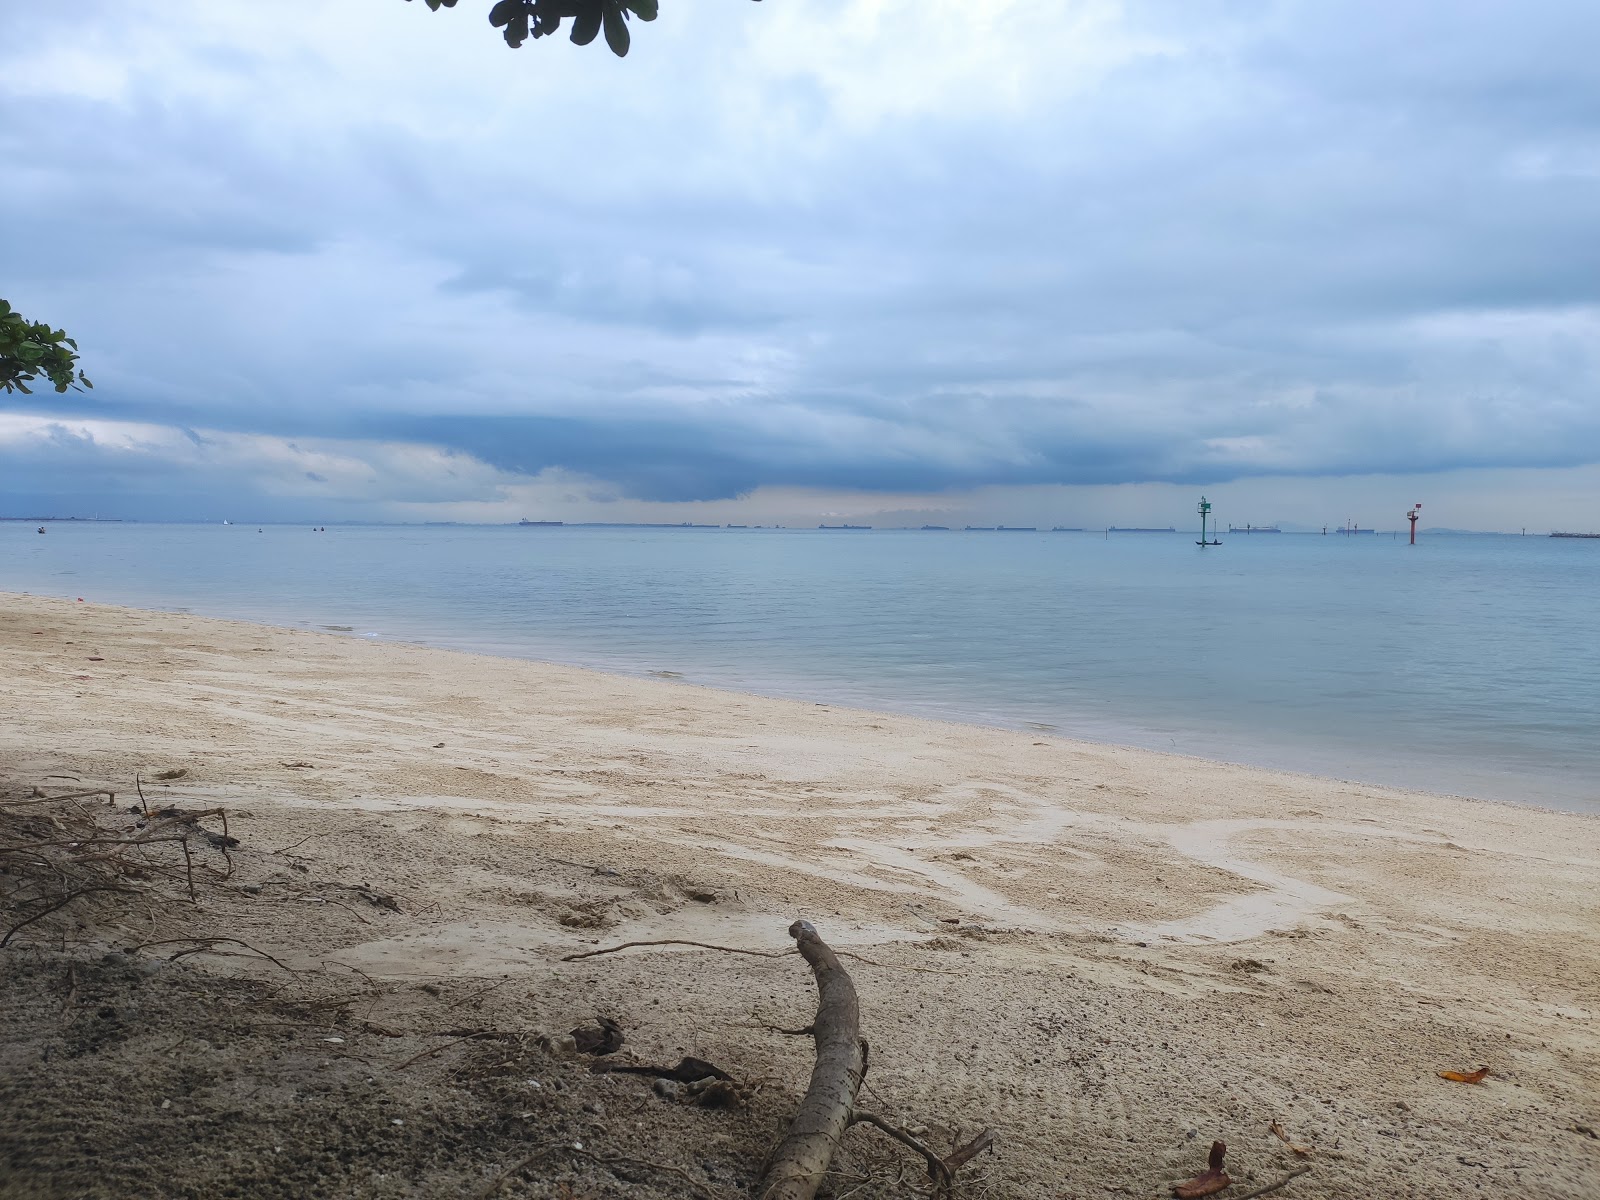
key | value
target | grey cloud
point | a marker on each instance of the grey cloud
(1245, 256)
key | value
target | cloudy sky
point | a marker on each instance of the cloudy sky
(1033, 261)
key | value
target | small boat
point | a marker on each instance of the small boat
(41, 529)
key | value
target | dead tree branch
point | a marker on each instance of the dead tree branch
(796, 1169)
(1276, 1184)
(676, 942)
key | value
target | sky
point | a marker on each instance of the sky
(879, 261)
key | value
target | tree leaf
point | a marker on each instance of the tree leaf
(587, 25)
(517, 30)
(500, 15)
(1213, 1179)
(616, 28)
(1477, 1076)
(645, 10)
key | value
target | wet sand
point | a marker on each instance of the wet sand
(1112, 956)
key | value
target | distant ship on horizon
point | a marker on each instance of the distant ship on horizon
(525, 521)
(1575, 535)
(844, 526)
(1139, 529)
(1254, 529)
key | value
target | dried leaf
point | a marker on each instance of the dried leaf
(1282, 1135)
(1213, 1179)
(1477, 1076)
(605, 1037)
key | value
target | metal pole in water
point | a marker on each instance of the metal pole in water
(1412, 517)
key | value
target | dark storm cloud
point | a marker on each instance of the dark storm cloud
(1215, 243)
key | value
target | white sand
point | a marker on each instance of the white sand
(1111, 955)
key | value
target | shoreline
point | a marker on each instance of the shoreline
(785, 694)
(1095, 949)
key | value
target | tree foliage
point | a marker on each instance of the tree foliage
(518, 20)
(29, 349)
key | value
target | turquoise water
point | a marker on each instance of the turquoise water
(1468, 664)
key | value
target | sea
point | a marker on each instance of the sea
(1466, 664)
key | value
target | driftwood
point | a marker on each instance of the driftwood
(800, 1162)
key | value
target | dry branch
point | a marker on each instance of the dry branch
(59, 904)
(796, 1169)
(677, 942)
(1275, 1185)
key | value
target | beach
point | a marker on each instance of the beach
(1109, 956)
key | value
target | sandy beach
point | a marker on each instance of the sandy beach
(1111, 957)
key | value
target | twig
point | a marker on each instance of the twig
(603, 1159)
(494, 1184)
(938, 1171)
(479, 994)
(326, 833)
(477, 1036)
(1272, 1187)
(142, 804)
(208, 942)
(43, 799)
(677, 942)
(62, 903)
(188, 870)
(958, 1157)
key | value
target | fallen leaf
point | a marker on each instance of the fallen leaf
(299, 765)
(1213, 1179)
(1477, 1076)
(1279, 1132)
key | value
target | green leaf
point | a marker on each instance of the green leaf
(616, 28)
(503, 12)
(517, 30)
(587, 25)
(645, 10)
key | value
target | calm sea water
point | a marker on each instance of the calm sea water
(1466, 664)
